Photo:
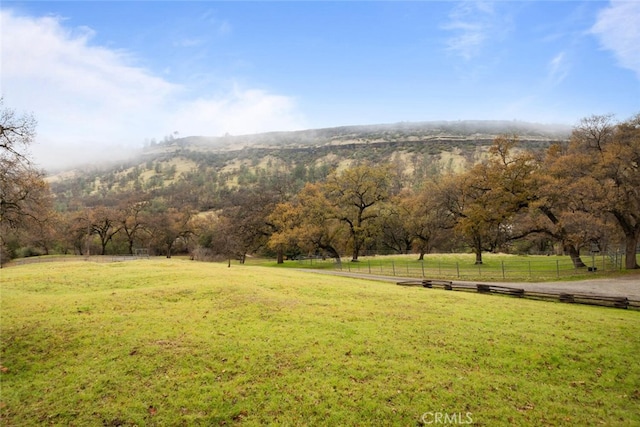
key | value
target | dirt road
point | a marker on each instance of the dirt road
(623, 286)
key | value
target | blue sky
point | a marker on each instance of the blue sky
(103, 77)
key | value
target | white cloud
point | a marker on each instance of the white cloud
(618, 29)
(91, 101)
(240, 111)
(473, 24)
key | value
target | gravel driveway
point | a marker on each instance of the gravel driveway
(623, 286)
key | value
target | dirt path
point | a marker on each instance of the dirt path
(623, 286)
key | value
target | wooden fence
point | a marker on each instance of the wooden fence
(539, 269)
(576, 298)
(75, 258)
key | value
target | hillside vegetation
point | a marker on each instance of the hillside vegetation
(220, 163)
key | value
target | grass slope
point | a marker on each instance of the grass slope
(173, 342)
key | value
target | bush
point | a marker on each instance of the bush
(27, 251)
(6, 254)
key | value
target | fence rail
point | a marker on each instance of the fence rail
(574, 298)
(501, 270)
(74, 258)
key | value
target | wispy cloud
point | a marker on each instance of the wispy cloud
(223, 28)
(473, 24)
(558, 68)
(219, 26)
(189, 42)
(618, 29)
(90, 100)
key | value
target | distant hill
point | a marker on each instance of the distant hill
(380, 133)
(208, 166)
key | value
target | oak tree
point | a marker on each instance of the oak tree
(104, 222)
(485, 199)
(600, 169)
(309, 222)
(426, 217)
(355, 195)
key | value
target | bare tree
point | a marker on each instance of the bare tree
(20, 183)
(24, 196)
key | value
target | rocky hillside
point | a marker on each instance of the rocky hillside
(211, 166)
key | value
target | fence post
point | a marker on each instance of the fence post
(558, 268)
(530, 270)
(621, 262)
(369, 261)
(458, 269)
(422, 262)
(393, 267)
(502, 270)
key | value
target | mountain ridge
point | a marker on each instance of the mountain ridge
(220, 164)
(462, 129)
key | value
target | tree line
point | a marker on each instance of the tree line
(579, 195)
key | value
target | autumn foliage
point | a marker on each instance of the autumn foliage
(572, 197)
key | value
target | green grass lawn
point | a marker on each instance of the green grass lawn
(174, 342)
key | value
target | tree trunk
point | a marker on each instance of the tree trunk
(280, 257)
(566, 247)
(631, 243)
(421, 257)
(332, 252)
(356, 250)
(575, 256)
(631, 232)
(478, 251)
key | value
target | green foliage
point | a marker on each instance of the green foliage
(28, 251)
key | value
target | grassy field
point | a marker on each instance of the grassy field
(174, 342)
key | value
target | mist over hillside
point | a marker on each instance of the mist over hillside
(378, 133)
(214, 166)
